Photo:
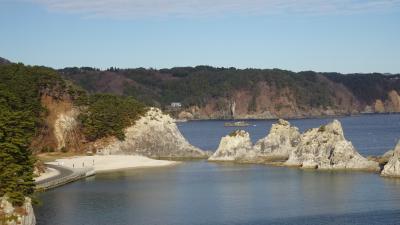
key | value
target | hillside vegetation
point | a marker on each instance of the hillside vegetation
(23, 117)
(20, 116)
(209, 89)
(108, 115)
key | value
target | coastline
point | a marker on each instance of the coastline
(290, 118)
(104, 163)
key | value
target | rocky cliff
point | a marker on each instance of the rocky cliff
(154, 135)
(276, 146)
(327, 148)
(214, 93)
(10, 215)
(60, 129)
(279, 143)
(392, 168)
(236, 146)
(319, 148)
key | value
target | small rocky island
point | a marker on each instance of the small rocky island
(236, 146)
(318, 148)
(326, 148)
(392, 168)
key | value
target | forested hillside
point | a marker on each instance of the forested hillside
(20, 117)
(209, 92)
(32, 102)
(4, 61)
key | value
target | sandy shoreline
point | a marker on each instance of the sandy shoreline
(105, 163)
(101, 163)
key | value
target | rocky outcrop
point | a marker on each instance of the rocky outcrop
(276, 146)
(10, 215)
(279, 143)
(154, 135)
(327, 148)
(60, 130)
(384, 159)
(392, 168)
(393, 102)
(66, 129)
(185, 115)
(319, 148)
(236, 146)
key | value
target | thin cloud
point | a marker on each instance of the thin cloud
(200, 8)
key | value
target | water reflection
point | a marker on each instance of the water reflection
(210, 193)
(202, 193)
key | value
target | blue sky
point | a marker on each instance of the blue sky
(337, 35)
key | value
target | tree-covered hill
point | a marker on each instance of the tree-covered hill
(23, 117)
(20, 116)
(4, 61)
(209, 89)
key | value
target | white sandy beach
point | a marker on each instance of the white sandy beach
(102, 163)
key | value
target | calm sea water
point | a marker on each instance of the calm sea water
(370, 134)
(202, 193)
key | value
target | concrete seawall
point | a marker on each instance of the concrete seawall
(66, 176)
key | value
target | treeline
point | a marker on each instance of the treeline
(21, 116)
(368, 87)
(108, 115)
(197, 85)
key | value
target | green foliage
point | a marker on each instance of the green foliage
(368, 87)
(21, 113)
(20, 109)
(108, 115)
(198, 85)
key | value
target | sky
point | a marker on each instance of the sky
(347, 36)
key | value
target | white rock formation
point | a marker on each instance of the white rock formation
(384, 159)
(236, 146)
(12, 216)
(392, 168)
(280, 142)
(154, 135)
(327, 148)
(65, 128)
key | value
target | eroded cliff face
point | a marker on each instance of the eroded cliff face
(392, 168)
(10, 215)
(279, 143)
(67, 131)
(327, 148)
(154, 135)
(271, 103)
(61, 129)
(236, 146)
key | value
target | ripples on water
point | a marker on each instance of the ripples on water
(202, 193)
